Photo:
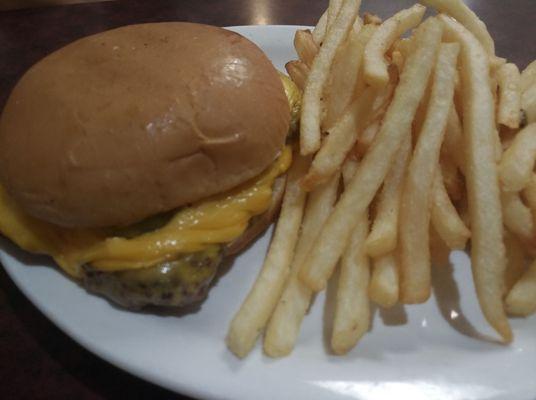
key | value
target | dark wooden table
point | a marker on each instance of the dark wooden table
(38, 361)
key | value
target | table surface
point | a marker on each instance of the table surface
(38, 360)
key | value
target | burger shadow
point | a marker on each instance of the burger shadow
(447, 298)
(28, 259)
(329, 314)
(65, 366)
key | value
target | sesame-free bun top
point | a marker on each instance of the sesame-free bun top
(138, 120)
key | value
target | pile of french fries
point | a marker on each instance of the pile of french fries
(403, 140)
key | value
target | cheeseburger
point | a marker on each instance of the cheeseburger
(139, 157)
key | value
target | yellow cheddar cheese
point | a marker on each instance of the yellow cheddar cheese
(220, 219)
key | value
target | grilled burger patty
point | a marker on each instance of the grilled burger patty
(179, 282)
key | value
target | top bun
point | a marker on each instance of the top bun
(131, 122)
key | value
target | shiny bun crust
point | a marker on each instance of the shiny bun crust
(131, 122)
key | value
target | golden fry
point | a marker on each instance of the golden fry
(256, 309)
(298, 72)
(487, 246)
(330, 244)
(445, 219)
(340, 141)
(453, 143)
(383, 236)
(319, 32)
(415, 267)
(305, 46)
(509, 107)
(375, 66)
(518, 217)
(352, 309)
(528, 76)
(517, 164)
(384, 284)
(284, 325)
(465, 16)
(522, 298)
(517, 264)
(344, 74)
(310, 135)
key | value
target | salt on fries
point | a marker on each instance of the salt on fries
(385, 113)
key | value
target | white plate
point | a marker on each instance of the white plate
(436, 354)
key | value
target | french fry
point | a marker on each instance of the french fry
(340, 141)
(451, 177)
(344, 73)
(367, 137)
(509, 107)
(487, 247)
(516, 264)
(383, 236)
(507, 137)
(529, 195)
(352, 309)
(330, 244)
(528, 104)
(384, 284)
(439, 251)
(333, 11)
(348, 169)
(305, 46)
(310, 134)
(382, 101)
(528, 76)
(284, 326)
(256, 309)
(518, 217)
(465, 16)
(404, 46)
(319, 31)
(374, 63)
(398, 60)
(415, 267)
(420, 115)
(445, 219)
(517, 164)
(373, 19)
(522, 298)
(453, 141)
(298, 72)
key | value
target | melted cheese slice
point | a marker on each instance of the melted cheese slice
(220, 219)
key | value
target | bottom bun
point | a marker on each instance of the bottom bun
(180, 282)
